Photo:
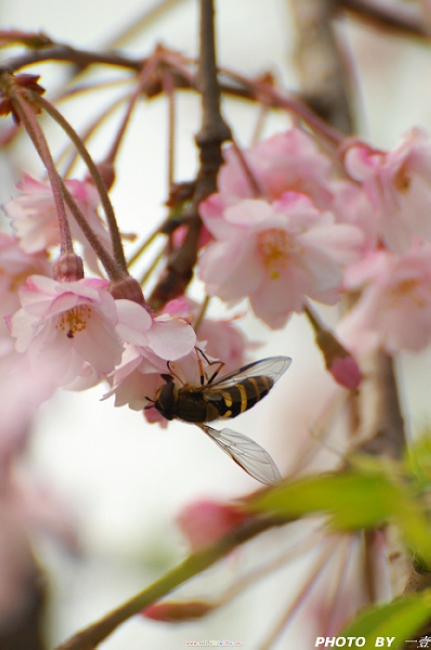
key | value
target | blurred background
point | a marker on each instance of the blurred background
(119, 482)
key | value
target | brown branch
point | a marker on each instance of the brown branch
(233, 84)
(382, 426)
(68, 54)
(318, 60)
(213, 132)
(396, 18)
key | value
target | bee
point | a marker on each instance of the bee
(221, 398)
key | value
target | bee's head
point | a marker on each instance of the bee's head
(166, 398)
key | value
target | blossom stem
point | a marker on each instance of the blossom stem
(251, 179)
(202, 312)
(111, 267)
(28, 118)
(98, 181)
(106, 112)
(147, 71)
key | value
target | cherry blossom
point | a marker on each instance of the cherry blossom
(288, 161)
(398, 185)
(62, 325)
(34, 218)
(291, 162)
(22, 393)
(27, 505)
(394, 309)
(276, 254)
(149, 343)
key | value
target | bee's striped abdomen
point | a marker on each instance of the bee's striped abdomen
(236, 399)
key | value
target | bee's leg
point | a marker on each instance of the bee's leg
(204, 379)
(173, 374)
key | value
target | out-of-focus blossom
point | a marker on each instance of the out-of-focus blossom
(225, 342)
(398, 185)
(26, 507)
(204, 522)
(62, 325)
(22, 393)
(276, 254)
(288, 161)
(394, 309)
(15, 266)
(292, 162)
(219, 338)
(35, 222)
(350, 204)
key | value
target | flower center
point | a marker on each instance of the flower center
(75, 320)
(275, 248)
(409, 288)
(402, 181)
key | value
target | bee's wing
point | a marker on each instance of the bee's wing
(272, 367)
(246, 453)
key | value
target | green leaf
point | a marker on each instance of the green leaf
(367, 495)
(418, 460)
(401, 618)
(352, 500)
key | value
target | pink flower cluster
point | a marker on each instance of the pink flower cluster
(392, 279)
(74, 334)
(289, 225)
(69, 334)
(281, 239)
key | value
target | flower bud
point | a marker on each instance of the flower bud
(172, 612)
(68, 268)
(339, 362)
(204, 522)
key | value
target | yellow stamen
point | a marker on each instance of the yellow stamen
(74, 320)
(275, 248)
